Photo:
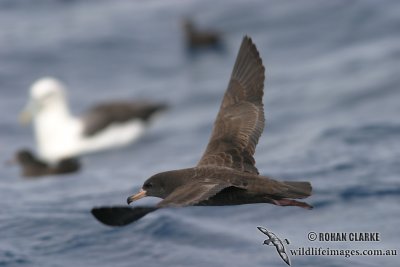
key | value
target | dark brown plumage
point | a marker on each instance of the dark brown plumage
(196, 38)
(103, 115)
(33, 167)
(226, 173)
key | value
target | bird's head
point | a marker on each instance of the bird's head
(159, 185)
(24, 157)
(44, 94)
(187, 25)
(267, 242)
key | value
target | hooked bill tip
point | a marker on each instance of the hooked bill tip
(141, 194)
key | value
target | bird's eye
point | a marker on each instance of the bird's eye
(148, 185)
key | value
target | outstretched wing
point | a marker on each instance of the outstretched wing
(192, 193)
(120, 215)
(265, 232)
(282, 253)
(103, 115)
(186, 195)
(240, 121)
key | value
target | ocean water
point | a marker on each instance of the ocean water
(332, 104)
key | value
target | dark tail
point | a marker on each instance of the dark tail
(298, 189)
(294, 190)
(291, 202)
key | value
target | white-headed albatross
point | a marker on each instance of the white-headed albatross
(61, 135)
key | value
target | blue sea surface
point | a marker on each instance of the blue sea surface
(332, 106)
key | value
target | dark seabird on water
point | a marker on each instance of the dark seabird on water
(226, 174)
(196, 38)
(33, 167)
(61, 135)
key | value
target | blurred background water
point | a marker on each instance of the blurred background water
(332, 104)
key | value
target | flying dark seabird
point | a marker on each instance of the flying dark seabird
(226, 173)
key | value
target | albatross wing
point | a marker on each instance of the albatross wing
(103, 115)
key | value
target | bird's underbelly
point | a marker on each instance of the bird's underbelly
(234, 196)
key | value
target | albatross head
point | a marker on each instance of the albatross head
(45, 94)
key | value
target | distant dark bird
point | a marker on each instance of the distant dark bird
(60, 135)
(33, 167)
(226, 174)
(196, 38)
(273, 240)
